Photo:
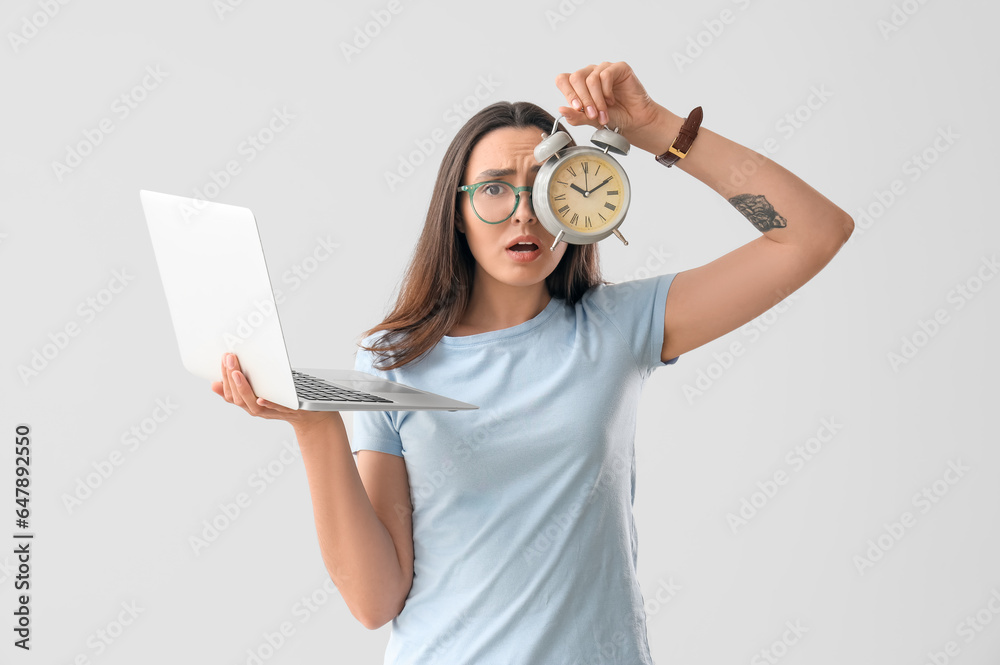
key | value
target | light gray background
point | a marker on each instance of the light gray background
(825, 355)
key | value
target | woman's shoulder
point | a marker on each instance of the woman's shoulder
(368, 353)
(612, 291)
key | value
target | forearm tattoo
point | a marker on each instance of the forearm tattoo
(759, 211)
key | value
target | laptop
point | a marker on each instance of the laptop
(221, 300)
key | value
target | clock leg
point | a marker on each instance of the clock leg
(558, 238)
(620, 236)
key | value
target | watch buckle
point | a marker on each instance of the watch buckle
(680, 155)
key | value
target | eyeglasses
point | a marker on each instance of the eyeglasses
(494, 201)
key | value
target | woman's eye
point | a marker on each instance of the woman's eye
(493, 190)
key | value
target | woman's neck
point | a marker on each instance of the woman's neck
(495, 305)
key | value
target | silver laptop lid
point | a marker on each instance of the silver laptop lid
(217, 287)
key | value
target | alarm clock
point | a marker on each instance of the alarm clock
(581, 194)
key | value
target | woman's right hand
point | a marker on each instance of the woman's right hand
(235, 389)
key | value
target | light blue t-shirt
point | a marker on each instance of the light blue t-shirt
(525, 548)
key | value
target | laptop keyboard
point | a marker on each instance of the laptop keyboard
(313, 388)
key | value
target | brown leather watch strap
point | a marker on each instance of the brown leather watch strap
(682, 144)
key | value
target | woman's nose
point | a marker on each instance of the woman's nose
(524, 212)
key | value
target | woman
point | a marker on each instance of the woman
(506, 534)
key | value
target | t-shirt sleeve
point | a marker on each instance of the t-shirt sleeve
(374, 430)
(636, 309)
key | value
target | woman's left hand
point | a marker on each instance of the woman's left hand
(611, 94)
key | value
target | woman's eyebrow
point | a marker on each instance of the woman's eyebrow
(500, 173)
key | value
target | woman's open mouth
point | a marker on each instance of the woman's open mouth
(524, 252)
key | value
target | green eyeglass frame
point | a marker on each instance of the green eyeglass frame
(471, 189)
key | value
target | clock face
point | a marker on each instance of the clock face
(586, 192)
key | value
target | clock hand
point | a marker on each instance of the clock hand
(606, 180)
(573, 186)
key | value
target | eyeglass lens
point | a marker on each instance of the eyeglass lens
(494, 201)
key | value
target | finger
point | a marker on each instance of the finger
(244, 393)
(227, 389)
(581, 91)
(276, 411)
(218, 389)
(271, 406)
(232, 370)
(566, 88)
(600, 83)
(574, 117)
(610, 75)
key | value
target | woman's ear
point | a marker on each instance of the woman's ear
(459, 223)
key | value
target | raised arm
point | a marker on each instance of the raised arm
(801, 229)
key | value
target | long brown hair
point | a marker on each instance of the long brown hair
(437, 284)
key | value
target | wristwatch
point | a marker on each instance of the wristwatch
(682, 144)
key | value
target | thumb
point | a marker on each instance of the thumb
(576, 118)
